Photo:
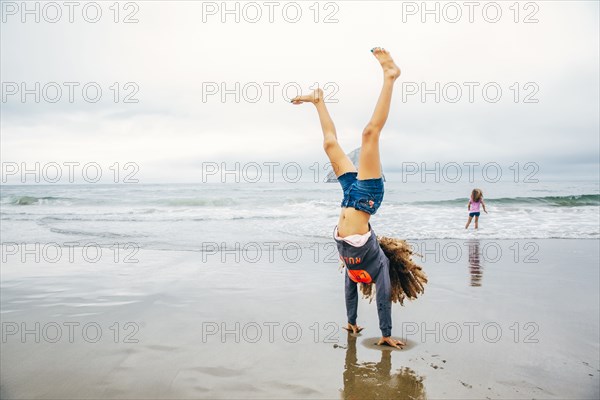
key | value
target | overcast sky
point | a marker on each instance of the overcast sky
(179, 54)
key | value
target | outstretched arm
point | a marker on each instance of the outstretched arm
(383, 294)
(351, 292)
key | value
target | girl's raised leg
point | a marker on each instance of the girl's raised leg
(369, 164)
(339, 160)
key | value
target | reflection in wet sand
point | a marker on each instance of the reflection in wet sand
(369, 380)
(475, 263)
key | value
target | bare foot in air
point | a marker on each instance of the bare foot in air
(390, 69)
(314, 97)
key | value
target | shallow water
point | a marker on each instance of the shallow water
(188, 217)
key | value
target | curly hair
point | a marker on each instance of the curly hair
(407, 278)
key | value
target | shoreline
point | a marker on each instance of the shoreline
(186, 313)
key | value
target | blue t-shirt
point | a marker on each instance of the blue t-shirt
(367, 264)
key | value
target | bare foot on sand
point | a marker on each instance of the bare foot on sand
(314, 97)
(390, 69)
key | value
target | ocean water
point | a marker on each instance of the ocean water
(190, 216)
(160, 306)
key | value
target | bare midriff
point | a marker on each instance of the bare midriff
(353, 222)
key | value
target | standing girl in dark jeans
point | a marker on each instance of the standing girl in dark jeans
(383, 261)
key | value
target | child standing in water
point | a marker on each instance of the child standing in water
(475, 203)
(368, 259)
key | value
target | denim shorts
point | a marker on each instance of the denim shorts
(474, 214)
(364, 195)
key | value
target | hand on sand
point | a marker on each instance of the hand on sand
(391, 342)
(313, 97)
(354, 328)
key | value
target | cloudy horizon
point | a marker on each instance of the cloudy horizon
(173, 68)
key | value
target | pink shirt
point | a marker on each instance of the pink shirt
(354, 240)
(475, 205)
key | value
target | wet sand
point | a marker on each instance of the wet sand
(499, 319)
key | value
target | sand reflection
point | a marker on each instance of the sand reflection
(475, 267)
(369, 380)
